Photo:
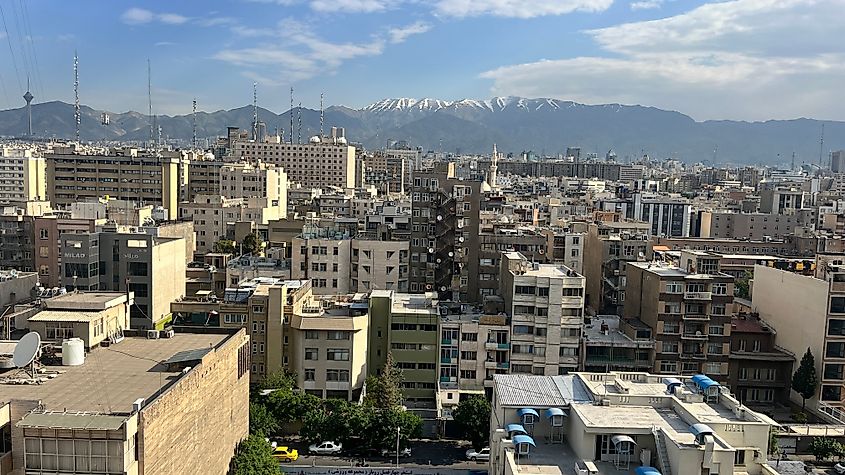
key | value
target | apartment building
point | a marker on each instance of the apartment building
(75, 174)
(17, 249)
(203, 177)
(23, 175)
(322, 162)
(493, 240)
(328, 346)
(214, 216)
(760, 372)
(688, 308)
(752, 226)
(779, 199)
(665, 215)
(406, 325)
(611, 343)
(444, 229)
(258, 180)
(546, 306)
(608, 247)
(565, 246)
(154, 268)
(48, 230)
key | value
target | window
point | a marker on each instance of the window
(310, 374)
(340, 375)
(831, 393)
(717, 309)
(539, 351)
(522, 349)
(713, 368)
(468, 374)
(833, 350)
(337, 335)
(573, 291)
(668, 367)
(716, 330)
(756, 346)
(523, 330)
(540, 331)
(469, 336)
(469, 355)
(671, 328)
(670, 347)
(714, 349)
(337, 354)
(59, 330)
(836, 327)
(524, 290)
(672, 308)
(719, 288)
(739, 457)
(674, 287)
(137, 269)
(543, 291)
(833, 371)
(312, 335)
(837, 305)
(312, 354)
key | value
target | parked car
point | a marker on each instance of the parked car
(406, 452)
(839, 468)
(325, 448)
(285, 454)
(482, 455)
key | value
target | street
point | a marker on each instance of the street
(424, 454)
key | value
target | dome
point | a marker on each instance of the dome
(341, 140)
(314, 139)
(209, 156)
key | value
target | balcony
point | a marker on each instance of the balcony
(448, 342)
(492, 345)
(445, 360)
(697, 296)
(693, 356)
(503, 365)
(697, 336)
(695, 317)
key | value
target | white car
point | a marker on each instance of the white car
(406, 452)
(839, 468)
(325, 448)
(482, 455)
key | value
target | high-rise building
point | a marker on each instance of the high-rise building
(23, 175)
(837, 161)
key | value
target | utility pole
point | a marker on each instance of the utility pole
(77, 114)
(195, 123)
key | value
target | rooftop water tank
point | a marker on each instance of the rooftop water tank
(73, 352)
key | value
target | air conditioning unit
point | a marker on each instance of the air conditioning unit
(167, 334)
(152, 334)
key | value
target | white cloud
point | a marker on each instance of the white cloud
(744, 59)
(137, 16)
(164, 43)
(172, 18)
(352, 6)
(646, 4)
(399, 35)
(517, 8)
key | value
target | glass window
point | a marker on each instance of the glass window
(337, 335)
(312, 354)
(337, 354)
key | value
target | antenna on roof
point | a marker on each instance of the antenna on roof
(255, 111)
(290, 113)
(150, 101)
(299, 123)
(821, 146)
(77, 116)
(195, 122)
(321, 115)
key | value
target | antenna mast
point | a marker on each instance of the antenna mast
(299, 123)
(195, 122)
(290, 113)
(77, 115)
(792, 167)
(821, 146)
(255, 111)
(150, 99)
(321, 115)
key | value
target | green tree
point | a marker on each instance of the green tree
(804, 380)
(254, 456)
(251, 243)
(473, 417)
(381, 430)
(824, 447)
(282, 379)
(261, 420)
(224, 246)
(774, 448)
(742, 286)
(385, 390)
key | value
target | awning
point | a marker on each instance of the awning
(644, 470)
(698, 429)
(523, 439)
(527, 410)
(698, 377)
(554, 411)
(708, 384)
(672, 382)
(621, 439)
(511, 428)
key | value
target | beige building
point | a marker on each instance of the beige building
(93, 317)
(546, 306)
(123, 408)
(612, 423)
(322, 162)
(123, 173)
(214, 216)
(23, 175)
(244, 180)
(328, 346)
(752, 226)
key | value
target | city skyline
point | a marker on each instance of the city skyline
(740, 59)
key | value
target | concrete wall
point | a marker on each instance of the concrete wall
(796, 306)
(196, 424)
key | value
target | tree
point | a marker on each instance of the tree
(742, 287)
(774, 447)
(254, 456)
(381, 430)
(224, 246)
(261, 421)
(251, 243)
(824, 447)
(282, 379)
(473, 417)
(804, 380)
(385, 390)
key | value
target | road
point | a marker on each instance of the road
(431, 454)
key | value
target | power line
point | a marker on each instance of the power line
(11, 50)
(21, 42)
(28, 26)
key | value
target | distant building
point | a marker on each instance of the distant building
(23, 175)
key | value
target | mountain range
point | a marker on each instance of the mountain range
(545, 126)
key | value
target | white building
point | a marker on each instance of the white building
(23, 177)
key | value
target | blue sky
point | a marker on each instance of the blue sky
(735, 59)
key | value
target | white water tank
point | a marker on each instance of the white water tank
(73, 352)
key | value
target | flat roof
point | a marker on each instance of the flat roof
(64, 316)
(72, 420)
(111, 378)
(525, 390)
(86, 300)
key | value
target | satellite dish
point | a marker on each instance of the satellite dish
(26, 349)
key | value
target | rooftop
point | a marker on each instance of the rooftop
(523, 390)
(113, 377)
(86, 301)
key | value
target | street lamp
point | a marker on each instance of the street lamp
(397, 446)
